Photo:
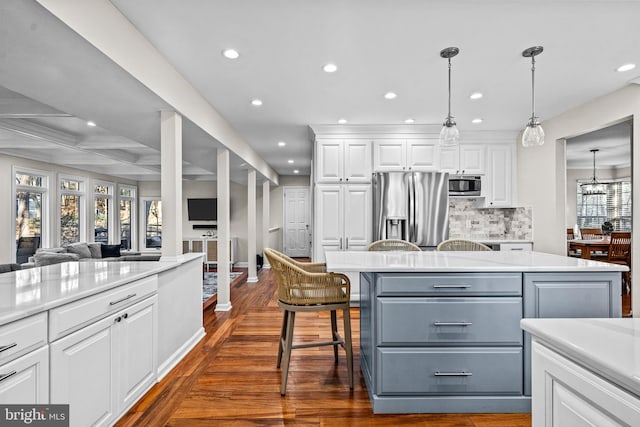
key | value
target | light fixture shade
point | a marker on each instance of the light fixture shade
(449, 135)
(593, 189)
(533, 135)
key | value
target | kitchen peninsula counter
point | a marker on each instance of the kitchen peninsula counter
(440, 331)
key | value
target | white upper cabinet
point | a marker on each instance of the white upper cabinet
(418, 155)
(463, 159)
(343, 161)
(499, 176)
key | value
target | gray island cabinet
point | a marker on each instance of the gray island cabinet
(441, 332)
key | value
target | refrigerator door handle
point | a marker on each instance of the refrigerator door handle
(411, 227)
(340, 244)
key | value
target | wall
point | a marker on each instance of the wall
(466, 221)
(238, 226)
(7, 250)
(575, 174)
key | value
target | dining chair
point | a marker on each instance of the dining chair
(392, 245)
(570, 251)
(590, 233)
(462, 245)
(301, 290)
(620, 253)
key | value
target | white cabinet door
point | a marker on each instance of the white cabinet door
(330, 161)
(138, 351)
(328, 220)
(357, 216)
(357, 161)
(472, 159)
(450, 159)
(389, 155)
(25, 380)
(83, 373)
(421, 156)
(499, 175)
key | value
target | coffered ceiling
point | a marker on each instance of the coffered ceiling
(56, 81)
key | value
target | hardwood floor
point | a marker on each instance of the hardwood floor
(230, 378)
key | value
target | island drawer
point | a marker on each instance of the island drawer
(449, 284)
(22, 336)
(449, 321)
(449, 371)
(70, 317)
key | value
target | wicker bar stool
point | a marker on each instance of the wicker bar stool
(462, 245)
(392, 245)
(300, 290)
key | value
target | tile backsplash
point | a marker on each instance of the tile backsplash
(466, 221)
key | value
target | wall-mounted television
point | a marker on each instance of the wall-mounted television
(202, 209)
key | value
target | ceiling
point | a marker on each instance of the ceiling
(613, 144)
(55, 81)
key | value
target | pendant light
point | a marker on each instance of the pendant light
(593, 187)
(533, 134)
(449, 134)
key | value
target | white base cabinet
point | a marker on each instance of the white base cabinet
(565, 394)
(26, 379)
(102, 369)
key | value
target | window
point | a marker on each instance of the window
(127, 203)
(72, 194)
(102, 200)
(30, 189)
(614, 206)
(152, 222)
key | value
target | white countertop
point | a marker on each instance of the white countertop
(500, 241)
(610, 347)
(34, 290)
(489, 261)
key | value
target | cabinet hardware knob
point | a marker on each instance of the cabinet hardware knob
(452, 374)
(124, 316)
(117, 319)
(347, 179)
(7, 347)
(5, 376)
(340, 179)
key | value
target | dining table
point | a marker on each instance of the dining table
(588, 247)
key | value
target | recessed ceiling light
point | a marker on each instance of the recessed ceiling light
(296, 171)
(476, 121)
(281, 143)
(475, 95)
(256, 102)
(626, 67)
(290, 161)
(90, 123)
(230, 54)
(390, 95)
(330, 68)
(342, 121)
(409, 121)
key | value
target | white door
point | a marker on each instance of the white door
(297, 228)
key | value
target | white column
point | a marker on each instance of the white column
(251, 226)
(171, 183)
(265, 221)
(224, 235)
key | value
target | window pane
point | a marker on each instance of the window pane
(28, 224)
(101, 226)
(125, 224)
(26, 179)
(153, 223)
(101, 189)
(67, 184)
(69, 219)
(127, 192)
(614, 206)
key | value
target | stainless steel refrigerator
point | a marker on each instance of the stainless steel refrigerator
(412, 206)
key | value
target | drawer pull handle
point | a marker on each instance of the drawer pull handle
(452, 286)
(453, 323)
(452, 374)
(5, 376)
(517, 249)
(122, 299)
(7, 347)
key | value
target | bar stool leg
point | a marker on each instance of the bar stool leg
(287, 352)
(282, 336)
(334, 334)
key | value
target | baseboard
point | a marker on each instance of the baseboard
(223, 307)
(179, 354)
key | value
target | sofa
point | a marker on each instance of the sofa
(84, 252)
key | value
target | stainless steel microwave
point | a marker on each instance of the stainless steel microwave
(465, 185)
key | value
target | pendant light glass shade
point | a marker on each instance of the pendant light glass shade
(593, 187)
(533, 134)
(449, 135)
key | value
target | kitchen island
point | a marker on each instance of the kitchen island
(440, 331)
(96, 335)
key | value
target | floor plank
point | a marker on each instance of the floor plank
(231, 379)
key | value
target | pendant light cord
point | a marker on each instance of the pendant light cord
(449, 115)
(594, 168)
(533, 88)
